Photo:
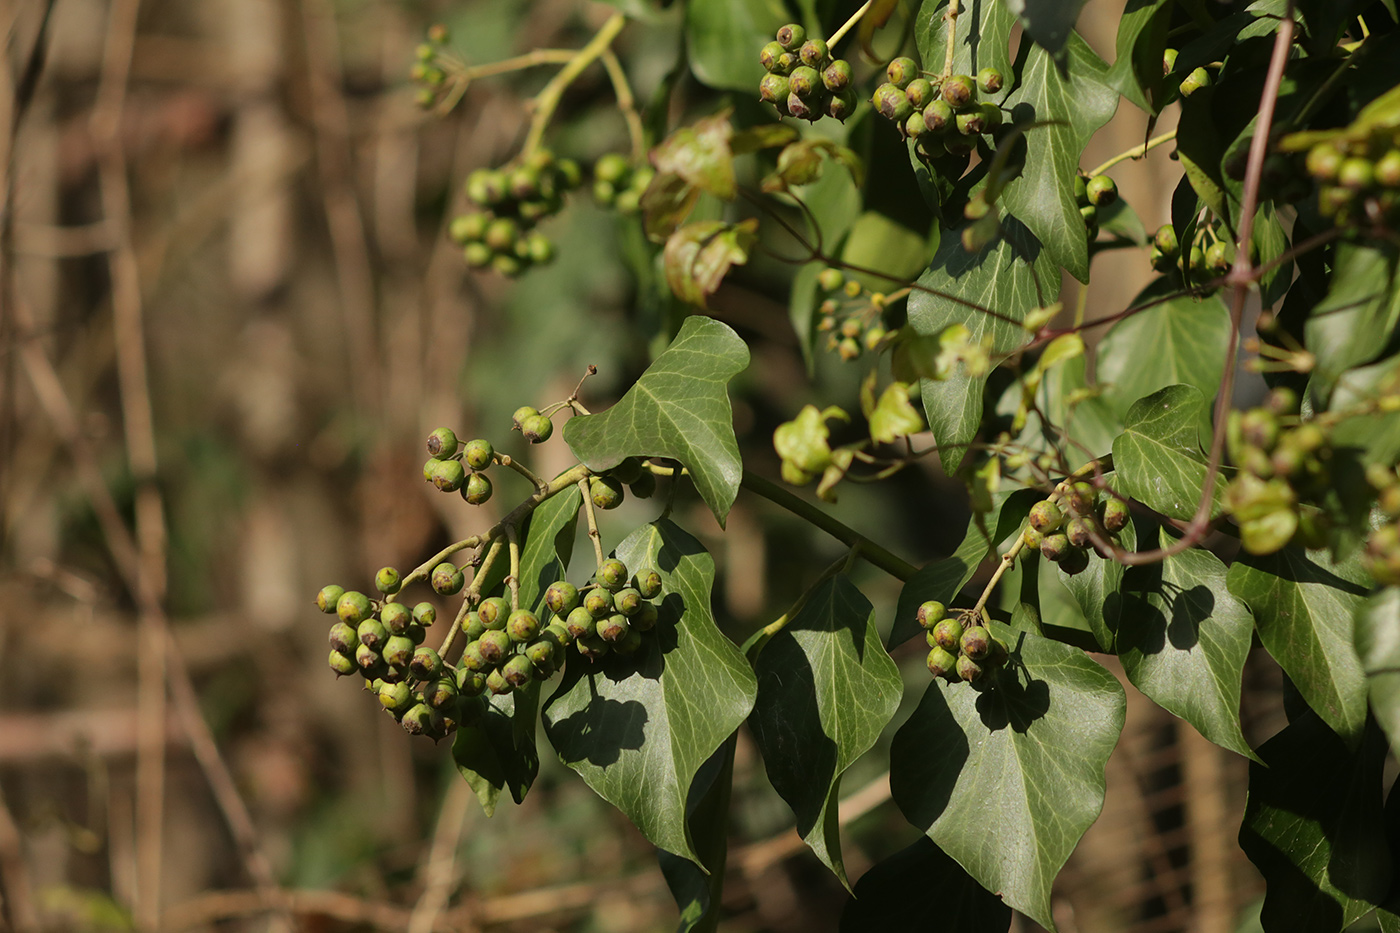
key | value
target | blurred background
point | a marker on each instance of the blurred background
(228, 318)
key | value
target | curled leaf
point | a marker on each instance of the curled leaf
(698, 255)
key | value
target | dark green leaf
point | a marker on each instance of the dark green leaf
(983, 39)
(1313, 827)
(678, 409)
(1006, 779)
(1359, 315)
(548, 545)
(499, 752)
(1378, 645)
(826, 689)
(1142, 37)
(1378, 435)
(1304, 611)
(638, 728)
(1000, 278)
(723, 38)
(696, 888)
(1073, 105)
(1183, 640)
(1097, 590)
(699, 255)
(879, 243)
(894, 895)
(1048, 22)
(1157, 459)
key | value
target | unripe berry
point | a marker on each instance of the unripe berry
(837, 76)
(387, 580)
(1081, 498)
(971, 123)
(472, 658)
(920, 93)
(1089, 213)
(1078, 531)
(1046, 517)
(901, 71)
(613, 628)
(612, 574)
(891, 102)
(1194, 82)
(496, 682)
(829, 279)
(478, 489)
(473, 628)
(522, 626)
(644, 486)
(493, 612)
(1101, 190)
(841, 105)
(938, 116)
(774, 89)
(561, 597)
(630, 643)
(592, 647)
(396, 617)
(344, 639)
(470, 683)
(791, 36)
(605, 491)
(990, 80)
(398, 650)
(1055, 547)
(441, 694)
(341, 664)
(537, 429)
(598, 602)
(947, 634)
(368, 661)
(543, 653)
(940, 662)
(930, 613)
(968, 669)
(372, 633)
(426, 664)
(813, 52)
(396, 698)
(991, 116)
(448, 475)
(628, 601)
(328, 597)
(486, 187)
(768, 55)
(1323, 162)
(805, 108)
(1387, 172)
(1356, 174)
(648, 582)
(477, 255)
(523, 183)
(960, 92)
(1115, 514)
(1218, 257)
(804, 81)
(353, 607)
(580, 623)
(478, 454)
(645, 619)
(1075, 560)
(495, 646)
(914, 126)
(556, 632)
(446, 579)
(1165, 240)
(975, 642)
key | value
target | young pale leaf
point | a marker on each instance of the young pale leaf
(1304, 611)
(548, 545)
(699, 154)
(1070, 104)
(1183, 639)
(1158, 458)
(826, 688)
(894, 895)
(1007, 778)
(1313, 827)
(1378, 644)
(499, 752)
(893, 417)
(677, 409)
(1359, 315)
(1000, 278)
(637, 728)
(699, 255)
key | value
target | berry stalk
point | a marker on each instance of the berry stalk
(547, 101)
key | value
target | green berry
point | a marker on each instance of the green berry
(501, 234)
(353, 607)
(630, 643)
(914, 126)
(939, 116)
(804, 82)
(612, 574)
(418, 720)
(506, 265)
(472, 658)
(1075, 560)
(648, 582)
(791, 36)
(1165, 240)
(470, 683)
(628, 601)
(478, 489)
(372, 634)
(902, 71)
(495, 646)
(368, 661)
(387, 580)
(920, 93)
(971, 123)
(940, 662)
(496, 682)
(341, 664)
(960, 92)
(537, 429)
(990, 80)
(518, 671)
(1101, 190)
(930, 613)
(328, 597)
(975, 642)
(1046, 517)
(493, 612)
(592, 647)
(813, 52)
(645, 619)
(808, 108)
(1168, 61)
(344, 639)
(1387, 171)
(1081, 497)
(426, 664)
(1054, 547)
(448, 475)
(1324, 161)
(891, 102)
(947, 634)
(644, 486)
(841, 105)
(523, 182)
(1032, 538)
(398, 650)
(1090, 215)
(522, 626)
(486, 187)
(598, 602)
(830, 280)
(774, 89)
(968, 669)
(396, 617)
(1078, 531)
(477, 255)
(768, 55)
(1356, 174)
(1194, 82)
(1115, 514)
(1218, 257)
(605, 491)
(441, 694)
(837, 76)
(396, 698)
(473, 628)
(580, 622)
(446, 579)
(991, 116)
(561, 597)
(613, 628)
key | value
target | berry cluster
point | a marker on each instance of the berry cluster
(1064, 526)
(803, 80)
(454, 466)
(619, 184)
(513, 199)
(1211, 254)
(1382, 555)
(851, 317)
(1358, 179)
(958, 651)
(427, 70)
(1192, 81)
(383, 641)
(943, 114)
(1091, 194)
(611, 613)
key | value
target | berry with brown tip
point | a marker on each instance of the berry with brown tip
(328, 597)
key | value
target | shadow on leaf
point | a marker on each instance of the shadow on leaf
(600, 732)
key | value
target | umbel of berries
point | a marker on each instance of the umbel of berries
(941, 114)
(1070, 525)
(620, 184)
(803, 80)
(512, 200)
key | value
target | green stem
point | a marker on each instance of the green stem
(422, 570)
(547, 101)
(626, 103)
(506, 460)
(513, 581)
(593, 533)
(895, 566)
(849, 24)
(1137, 152)
(952, 17)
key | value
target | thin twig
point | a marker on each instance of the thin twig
(439, 872)
(593, 534)
(548, 98)
(1137, 152)
(849, 24)
(952, 17)
(626, 103)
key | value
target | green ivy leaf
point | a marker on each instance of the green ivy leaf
(1313, 826)
(1354, 322)
(1158, 458)
(983, 39)
(1378, 435)
(1378, 645)
(499, 752)
(677, 409)
(879, 243)
(1183, 640)
(894, 896)
(548, 545)
(1048, 22)
(696, 887)
(1179, 342)
(1001, 277)
(723, 38)
(1304, 611)
(637, 728)
(826, 689)
(1097, 590)
(699, 154)
(1137, 68)
(1006, 779)
(1078, 100)
(698, 256)
(802, 162)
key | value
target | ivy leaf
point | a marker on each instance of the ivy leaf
(1137, 68)
(1178, 342)
(677, 409)
(1001, 278)
(1078, 100)
(723, 38)
(637, 728)
(1097, 590)
(826, 689)
(893, 417)
(890, 896)
(1353, 324)
(548, 545)
(1158, 457)
(499, 751)
(1304, 611)
(983, 38)
(1183, 640)
(945, 577)
(1048, 22)
(698, 256)
(802, 162)
(699, 154)
(696, 887)
(1378, 645)
(1314, 827)
(1377, 435)
(1018, 772)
